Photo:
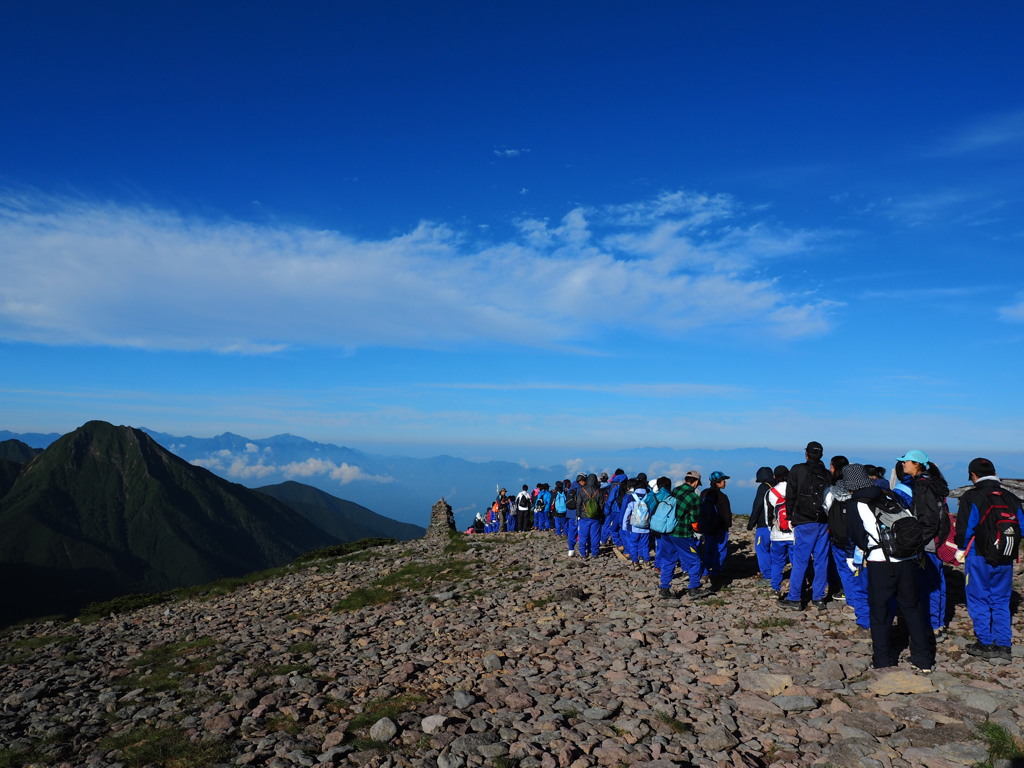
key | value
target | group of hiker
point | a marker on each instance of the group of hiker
(844, 531)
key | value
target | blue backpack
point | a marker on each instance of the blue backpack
(663, 519)
(560, 506)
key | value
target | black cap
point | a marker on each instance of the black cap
(981, 468)
(814, 449)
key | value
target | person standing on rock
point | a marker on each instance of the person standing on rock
(805, 497)
(614, 506)
(559, 508)
(852, 574)
(715, 506)
(758, 524)
(524, 506)
(681, 545)
(928, 503)
(989, 522)
(781, 531)
(572, 520)
(504, 507)
(590, 512)
(888, 577)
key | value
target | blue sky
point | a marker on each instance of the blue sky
(516, 230)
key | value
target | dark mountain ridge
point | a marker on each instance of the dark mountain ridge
(345, 520)
(106, 510)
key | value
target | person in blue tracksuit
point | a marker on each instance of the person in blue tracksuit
(928, 503)
(681, 545)
(613, 509)
(988, 567)
(715, 543)
(636, 531)
(589, 526)
(542, 508)
(759, 525)
(805, 498)
(850, 569)
(559, 508)
(781, 531)
(572, 520)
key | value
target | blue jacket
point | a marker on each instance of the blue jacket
(614, 505)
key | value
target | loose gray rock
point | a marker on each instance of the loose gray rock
(384, 729)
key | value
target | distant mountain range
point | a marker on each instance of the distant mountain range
(404, 488)
(106, 510)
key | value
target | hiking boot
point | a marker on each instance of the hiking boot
(665, 593)
(570, 553)
(1003, 652)
(821, 605)
(790, 605)
(697, 592)
(980, 650)
(922, 670)
(940, 634)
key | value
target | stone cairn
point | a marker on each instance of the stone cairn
(442, 523)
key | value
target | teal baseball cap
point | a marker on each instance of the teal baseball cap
(919, 456)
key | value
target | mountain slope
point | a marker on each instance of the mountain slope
(15, 450)
(106, 510)
(343, 519)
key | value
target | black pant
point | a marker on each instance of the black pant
(899, 580)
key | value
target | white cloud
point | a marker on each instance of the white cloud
(507, 152)
(573, 466)
(77, 272)
(225, 463)
(991, 133)
(1014, 312)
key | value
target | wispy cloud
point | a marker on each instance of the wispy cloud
(992, 133)
(509, 152)
(1013, 312)
(80, 272)
(670, 390)
(243, 467)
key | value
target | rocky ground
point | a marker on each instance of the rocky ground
(505, 654)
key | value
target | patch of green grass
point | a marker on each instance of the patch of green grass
(677, 726)
(419, 575)
(40, 641)
(281, 723)
(168, 664)
(364, 596)
(414, 577)
(125, 604)
(19, 758)
(1000, 743)
(289, 669)
(343, 550)
(165, 747)
(718, 602)
(456, 543)
(391, 707)
(24, 648)
(306, 646)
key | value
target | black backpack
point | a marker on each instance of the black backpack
(570, 498)
(810, 501)
(837, 525)
(900, 534)
(997, 534)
